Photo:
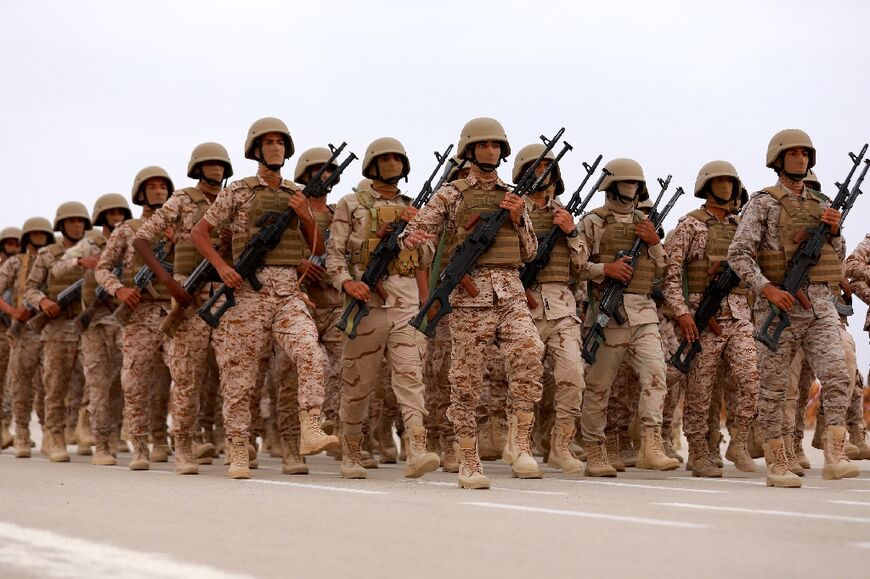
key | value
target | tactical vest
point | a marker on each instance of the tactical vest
(58, 283)
(407, 261)
(558, 268)
(186, 255)
(267, 202)
(619, 236)
(25, 259)
(797, 214)
(505, 250)
(160, 292)
(90, 287)
(719, 236)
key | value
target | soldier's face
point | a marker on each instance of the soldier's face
(627, 189)
(11, 246)
(272, 145)
(156, 191)
(796, 161)
(114, 217)
(213, 170)
(74, 228)
(38, 238)
(722, 187)
(542, 166)
(487, 152)
(389, 165)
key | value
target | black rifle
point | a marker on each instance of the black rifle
(705, 316)
(143, 279)
(17, 325)
(83, 320)
(807, 256)
(546, 242)
(388, 248)
(614, 289)
(67, 297)
(483, 235)
(203, 273)
(272, 227)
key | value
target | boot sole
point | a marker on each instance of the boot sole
(186, 469)
(295, 470)
(140, 466)
(355, 475)
(527, 475)
(104, 463)
(650, 467)
(239, 475)
(59, 459)
(600, 475)
(328, 447)
(22, 454)
(831, 476)
(430, 465)
(203, 461)
(784, 485)
(479, 486)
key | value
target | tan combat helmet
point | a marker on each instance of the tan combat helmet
(106, 202)
(68, 210)
(10, 233)
(529, 154)
(785, 140)
(625, 170)
(479, 130)
(208, 152)
(35, 224)
(715, 169)
(265, 126)
(145, 174)
(309, 158)
(383, 146)
(812, 181)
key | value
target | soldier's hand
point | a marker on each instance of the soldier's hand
(646, 231)
(310, 270)
(688, 327)
(49, 308)
(357, 290)
(408, 213)
(415, 238)
(226, 236)
(230, 277)
(780, 298)
(515, 205)
(832, 217)
(129, 296)
(299, 203)
(846, 288)
(170, 234)
(619, 269)
(178, 293)
(89, 262)
(21, 314)
(564, 220)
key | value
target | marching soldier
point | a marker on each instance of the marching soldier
(9, 246)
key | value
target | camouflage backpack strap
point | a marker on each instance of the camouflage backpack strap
(700, 214)
(251, 182)
(461, 185)
(365, 198)
(787, 201)
(134, 224)
(56, 250)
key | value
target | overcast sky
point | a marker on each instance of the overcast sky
(94, 91)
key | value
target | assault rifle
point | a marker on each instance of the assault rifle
(83, 320)
(67, 297)
(144, 279)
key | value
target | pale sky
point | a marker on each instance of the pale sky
(94, 91)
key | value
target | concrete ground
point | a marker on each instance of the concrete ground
(77, 520)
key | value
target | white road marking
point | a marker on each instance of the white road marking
(855, 503)
(503, 489)
(858, 490)
(735, 481)
(316, 487)
(860, 545)
(645, 486)
(791, 514)
(48, 554)
(586, 515)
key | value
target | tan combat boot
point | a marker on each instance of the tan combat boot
(714, 441)
(367, 459)
(667, 446)
(57, 447)
(203, 449)
(141, 455)
(523, 464)
(219, 438)
(788, 446)
(185, 460)
(596, 460)
(470, 471)
(276, 448)
(102, 454)
(499, 433)
(419, 461)
(652, 455)
(837, 464)
(69, 435)
(314, 440)
(561, 457)
(160, 447)
(6, 438)
(389, 454)
(799, 454)
(22, 443)
(449, 459)
(755, 442)
(699, 459)
(819, 432)
(858, 437)
(83, 432)
(778, 473)
(507, 455)
(852, 451)
(237, 448)
(611, 443)
(486, 448)
(351, 459)
(737, 451)
(291, 461)
(253, 463)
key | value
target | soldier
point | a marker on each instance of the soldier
(554, 308)
(700, 245)
(384, 332)
(144, 372)
(25, 353)
(100, 347)
(764, 243)
(192, 341)
(604, 232)
(275, 312)
(9, 246)
(858, 270)
(498, 311)
(59, 337)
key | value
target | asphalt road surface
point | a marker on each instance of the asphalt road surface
(77, 520)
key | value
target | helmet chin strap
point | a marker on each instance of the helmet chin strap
(796, 176)
(271, 166)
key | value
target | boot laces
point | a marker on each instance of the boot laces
(354, 451)
(418, 442)
(839, 447)
(524, 436)
(470, 460)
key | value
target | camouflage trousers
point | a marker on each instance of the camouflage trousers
(817, 332)
(735, 347)
(145, 375)
(623, 401)
(563, 364)
(102, 362)
(331, 344)
(641, 347)
(59, 351)
(436, 365)
(383, 334)
(472, 331)
(24, 376)
(5, 387)
(210, 400)
(243, 345)
(282, 384)
(494, 396)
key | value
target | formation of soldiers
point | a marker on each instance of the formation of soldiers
(225, 307)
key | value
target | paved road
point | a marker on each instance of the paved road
(76, 520)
